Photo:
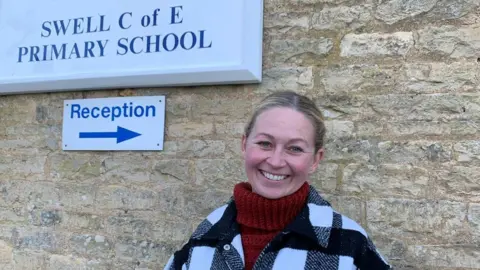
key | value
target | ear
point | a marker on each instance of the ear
(316, 159)
(244, 144)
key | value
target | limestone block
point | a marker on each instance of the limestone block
(369, 128)
(325, 177)
(27, 166)
(28, 136)
(234, 149)
(192, 202)
(76, 197)
(96, 246)
(414, 152)
(221, 104)
(425, 107)
(45, 217)
(143, 251)
(337, 129)
(348, 150)
(441, 77)
(419, 221)
(386, 180)
(341, 18)
(388, 152)
(221, 173)
(30, 260)
(189, 130)
(287, 20)
(458, 182)
(448, 256)
(118, 197)
(392, 11)
(452, 9)
(376, 44)
(13, 215)
(468, 151)
(149, 225)
(72, 221)
(59, 262)
(304, 5)
(344, 105)
(74, 166)
(31, 194)
(289, 50)
(18, 110)
(420, 129)
(173, 171)
(200, 148)
(178, 107)
(6, 255)
(130, 169)
(231, 129)
(474, 220)
(449, 41)
(368, 79)
(299, 79)
(39, 239)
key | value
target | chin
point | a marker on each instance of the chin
(271, 193)
(271, 196)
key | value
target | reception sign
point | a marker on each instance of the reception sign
(114, 124)
(52, 45)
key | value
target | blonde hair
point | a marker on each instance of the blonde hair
(300, 103)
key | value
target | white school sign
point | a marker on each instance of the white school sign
(52, 45)
(121, 123)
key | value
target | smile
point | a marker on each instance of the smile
(273, 177)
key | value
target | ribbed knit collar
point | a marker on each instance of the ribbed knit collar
(257, 212)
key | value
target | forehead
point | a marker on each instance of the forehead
(284, 124)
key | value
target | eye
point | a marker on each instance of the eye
(295, 149)
(264, 144)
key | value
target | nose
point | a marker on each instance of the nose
(276, 159)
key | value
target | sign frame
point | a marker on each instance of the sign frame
(247, 71)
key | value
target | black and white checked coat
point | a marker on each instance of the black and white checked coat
(318, 238)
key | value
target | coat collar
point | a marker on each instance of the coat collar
(315, 221)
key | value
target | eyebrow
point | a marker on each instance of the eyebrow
(292, 140)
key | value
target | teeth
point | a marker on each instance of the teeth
(273, 177)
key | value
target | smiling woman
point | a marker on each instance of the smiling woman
(279, 154)
(277, 220)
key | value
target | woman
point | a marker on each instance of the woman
(277, 220)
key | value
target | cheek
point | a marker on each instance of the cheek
(254, 156)
(301, 165)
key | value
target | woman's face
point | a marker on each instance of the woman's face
(279, 152)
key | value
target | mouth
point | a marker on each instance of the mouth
(274, 177)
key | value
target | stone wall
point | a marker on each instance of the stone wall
(398, 81)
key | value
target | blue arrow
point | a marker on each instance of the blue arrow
(121, 135)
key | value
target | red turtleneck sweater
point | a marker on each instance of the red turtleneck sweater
(261, 219)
